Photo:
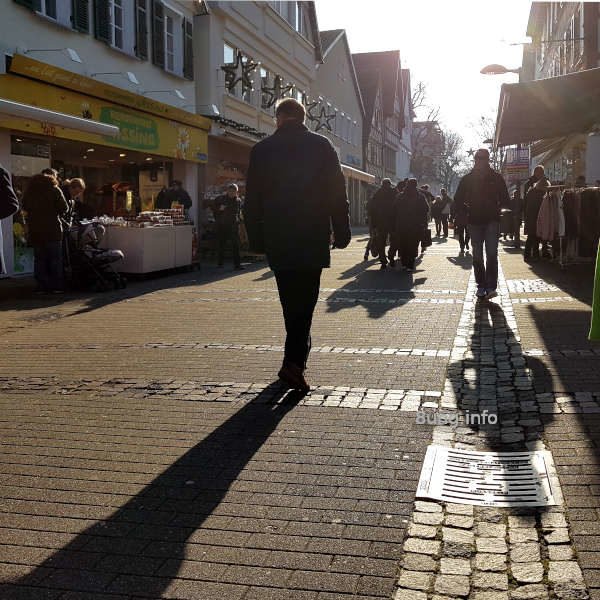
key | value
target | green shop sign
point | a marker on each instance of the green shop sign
(136, 132)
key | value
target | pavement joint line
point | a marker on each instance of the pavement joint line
(421, 352)
(461, 549)
(328, 300)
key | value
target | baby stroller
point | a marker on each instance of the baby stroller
(89, 265)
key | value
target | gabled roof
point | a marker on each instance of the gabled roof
(368, 82)
(316, 38)
(389, 67)
(407, 90)
(328, 40)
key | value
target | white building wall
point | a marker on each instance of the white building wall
(21, 30)
(261, 34)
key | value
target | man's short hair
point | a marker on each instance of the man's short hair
(232, 186)
(443, 190)
(289, 108)
(50, 171)
(482, 154)
(539, 167)
(175, 182)
(386, 182)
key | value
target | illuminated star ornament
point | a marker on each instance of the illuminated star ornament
(232, 72)
(324, 119)
(310, 107)
(274, 93)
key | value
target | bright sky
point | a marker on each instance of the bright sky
(444, 44)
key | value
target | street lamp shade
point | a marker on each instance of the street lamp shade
(498, 70)
(131, 76)
(179, 94)
(72, 54)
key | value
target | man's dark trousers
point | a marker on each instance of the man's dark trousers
(224, 233)
(298, 293)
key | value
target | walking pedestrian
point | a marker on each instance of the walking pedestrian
(483, 191)
(9, 204)
(534, 194)
(395, 241)
(446, 208)
(226, 209)
(460, 218)
(382, 211)
(516, 205)
(436, 215)
(295, 195)
(44, 204)
(411, 220)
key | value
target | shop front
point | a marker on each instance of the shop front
(126, 147)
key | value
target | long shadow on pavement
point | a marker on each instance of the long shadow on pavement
(140, 548)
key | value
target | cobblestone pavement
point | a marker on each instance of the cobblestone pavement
(145, 451)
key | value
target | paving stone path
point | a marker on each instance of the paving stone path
(146, 451)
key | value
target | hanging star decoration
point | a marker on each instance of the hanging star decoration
(276, 92)
(470, 152)
(324, 118)
(248, 67)
(310, 107)
(232, 72)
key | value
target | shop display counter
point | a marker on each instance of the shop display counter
(149, 249)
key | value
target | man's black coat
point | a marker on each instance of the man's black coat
(295, 196)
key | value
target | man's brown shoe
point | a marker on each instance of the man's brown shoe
(292, 376)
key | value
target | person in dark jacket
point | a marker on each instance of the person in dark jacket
(226, 209)
(534, 194)
(295, 196)
(460, 217)
(516, 205)
(44, 204)
(411, 218)
(483, 191)
(436, 214)
(9, 203)
(382, 215)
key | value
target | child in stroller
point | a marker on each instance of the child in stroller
(87, 264)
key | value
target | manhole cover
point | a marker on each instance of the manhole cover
(489, 478)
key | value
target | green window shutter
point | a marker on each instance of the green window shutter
(188, 49)
(30, 4)
(158, 33)
(141, 29)
(80, 16)
(102, 20)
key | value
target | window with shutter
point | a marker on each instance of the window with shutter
(102, 25)
(188, 50)
(80, 18)
(141, 29)
(158, 33)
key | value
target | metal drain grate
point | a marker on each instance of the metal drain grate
(489, 478)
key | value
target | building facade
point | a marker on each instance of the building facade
(565, 39)
(336, 87)
(102, 90)
(380, 77)
(248, 56)
(404, 154)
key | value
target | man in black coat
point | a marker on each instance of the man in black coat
(295, 197)
(382, 208)
(483, 192)
(226, 209)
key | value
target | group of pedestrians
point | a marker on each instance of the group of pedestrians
(399, 216)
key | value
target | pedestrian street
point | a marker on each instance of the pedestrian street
(147, 449)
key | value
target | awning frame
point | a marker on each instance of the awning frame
(26, 111)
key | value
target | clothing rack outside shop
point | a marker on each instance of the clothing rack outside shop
(571, 217)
